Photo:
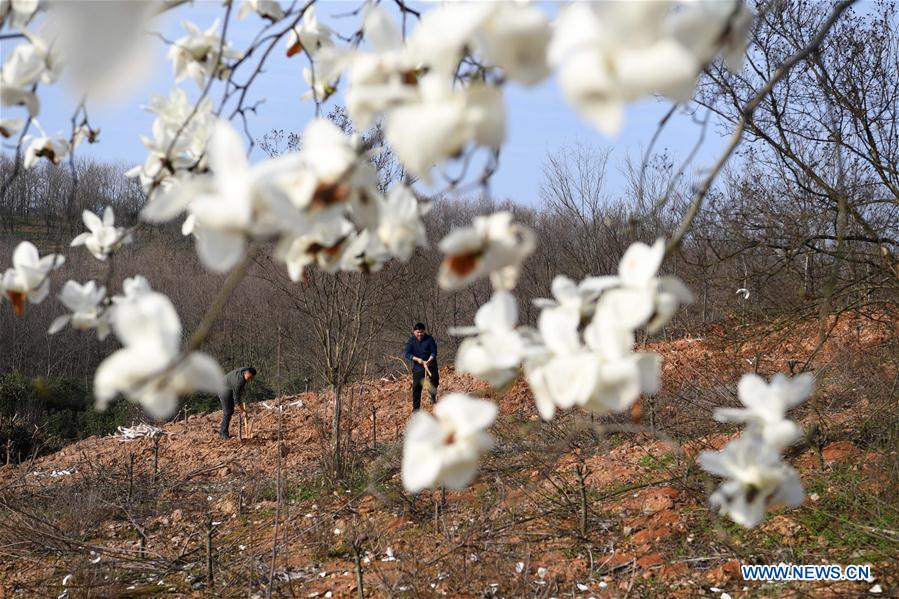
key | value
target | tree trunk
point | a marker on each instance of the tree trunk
(335, 426)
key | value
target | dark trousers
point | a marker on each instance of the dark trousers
(418, 375)
(227, 399)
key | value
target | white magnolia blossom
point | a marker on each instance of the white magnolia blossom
(235, 203)
(612, 53)
(54, 148)
(510, 35)
(324, 246)
(428, 118)
(310, 36)
(133, 287)
(36, 61)
(103, 237)
(330, 177)
(603, 375)
(86, 305)
(445, 32)
(29, 276)
(496, 348)
(491, 246)
(514, 36)
(9, 127)
(400, 227)
(566, 374)
(443, 122)
(623, 374)
(143, 371)
(578, 297)
(17, 13)
(322, 83)
(706, 27)
(757, 478)
(20, 71)
(382, 78)
(84, 132)
(364, 253)
(609, 54)
(641, 297)
(268, 9)
(767, 405)
(445, 449)
(178, 144)
(196, 55)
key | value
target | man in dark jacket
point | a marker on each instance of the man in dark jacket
(235, 381)
(421, 350)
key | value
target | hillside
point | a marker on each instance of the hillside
(559, 509)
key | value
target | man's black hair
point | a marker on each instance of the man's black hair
(252, 370)
(419, 326)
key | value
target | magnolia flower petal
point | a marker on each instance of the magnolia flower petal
(80, 239)
(792, 391)
(559, 328)
(25, 254)
(466, 413)
(91, 221)
(421, 460)
(198, 372)
(220, 251)
(149, 317)
(640, 263)
(59, 323)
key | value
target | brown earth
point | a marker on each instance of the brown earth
(517, 531)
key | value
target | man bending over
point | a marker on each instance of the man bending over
(235, 381)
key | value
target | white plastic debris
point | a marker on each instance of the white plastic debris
(139, 431)
(582, 587)
(66, 579)
(875, 590)
(541, 572)
(56, 473)
(294, 404)
(519, 567)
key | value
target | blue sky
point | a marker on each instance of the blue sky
(539, 119)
